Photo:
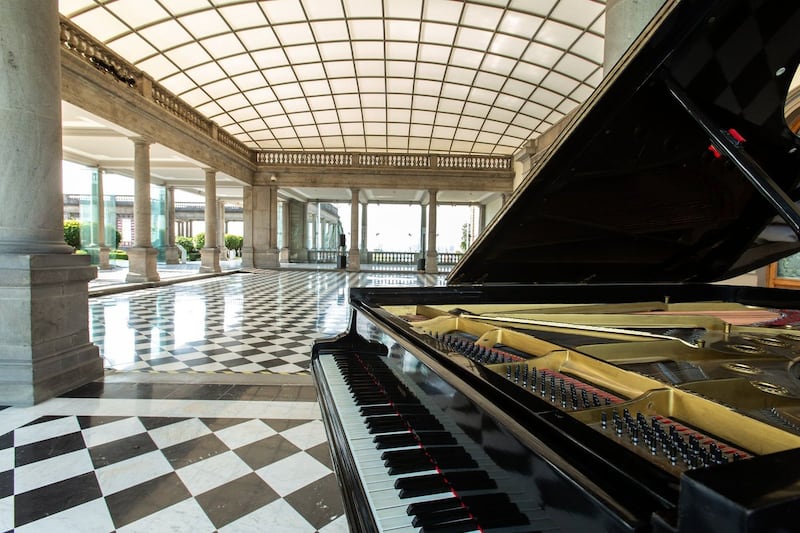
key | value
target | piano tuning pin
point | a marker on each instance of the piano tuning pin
(603, 420)
(508, 371)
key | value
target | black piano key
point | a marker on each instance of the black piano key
(401, 440)
(433, 506)
(391, 409)
(408, 465)
(450, 455)
(461, 526)
(436, 483)
(395, 440)
(441, 517)
(402, 423)
(411, 487)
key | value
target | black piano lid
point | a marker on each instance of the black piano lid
(631, 191)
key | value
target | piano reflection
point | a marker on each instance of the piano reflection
(584, 369)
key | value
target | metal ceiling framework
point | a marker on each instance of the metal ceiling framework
(363, 75)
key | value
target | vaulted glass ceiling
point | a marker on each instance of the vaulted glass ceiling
(363, 75)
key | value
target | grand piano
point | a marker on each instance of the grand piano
(587, 367)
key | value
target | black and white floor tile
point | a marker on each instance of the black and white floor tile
(240, 323)
(105, 464)
(221, 433)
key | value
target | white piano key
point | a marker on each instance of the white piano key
(384, 500)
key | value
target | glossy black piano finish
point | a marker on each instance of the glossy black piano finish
(580, 349)
(579, 480)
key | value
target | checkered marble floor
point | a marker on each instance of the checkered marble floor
(221, 433)
(109, 464)
(264, 321)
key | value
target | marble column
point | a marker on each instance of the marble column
(431, 264)
(103, 250)
(354, 256)
(247, 227)
(209, 255)
(44, 315)
(364, 230)
(222, 224)
(142, 257)
(173, 254)
(302, 250)
(286, 248)
(423, 231)
(261, 247)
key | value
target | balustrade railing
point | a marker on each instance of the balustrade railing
(322, 256)
(369, 160)
(384, 257)
(98, 55)
(391, 258)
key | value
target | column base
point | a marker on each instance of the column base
(431, 265)
(353, 261)
(173, 255)
(209, 260)
(104, 259)
(247, 257)
(44, 327)
(266, 259)
(142, 265)
(283, 257)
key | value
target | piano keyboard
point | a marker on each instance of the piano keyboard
(419, 470)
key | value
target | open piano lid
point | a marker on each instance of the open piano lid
(631, 190)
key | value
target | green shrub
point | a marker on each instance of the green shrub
(118, 254)
(186, 242)
(234, 242)
(193, 256)
(200, 241)
(117, 238)
(81, 252)
(72, 233)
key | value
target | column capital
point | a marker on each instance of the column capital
(209, 170)
(141, 140)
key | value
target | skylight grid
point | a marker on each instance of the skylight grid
(458, 77)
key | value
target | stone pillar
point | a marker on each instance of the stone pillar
(264, 251)
(314, 218)
(44, 317)
(423, 230)
(247, 227)
(300, 245)
(102, 245)
(431, 264)
(481, 218)
(173, 255)
(364, 230)
(221, 229)
(353, 255)
(209, 255)
(142, 257)
(286, 248)
(625, 20)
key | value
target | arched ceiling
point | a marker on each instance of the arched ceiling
(363, 75)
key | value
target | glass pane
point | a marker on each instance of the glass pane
(789, 267)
